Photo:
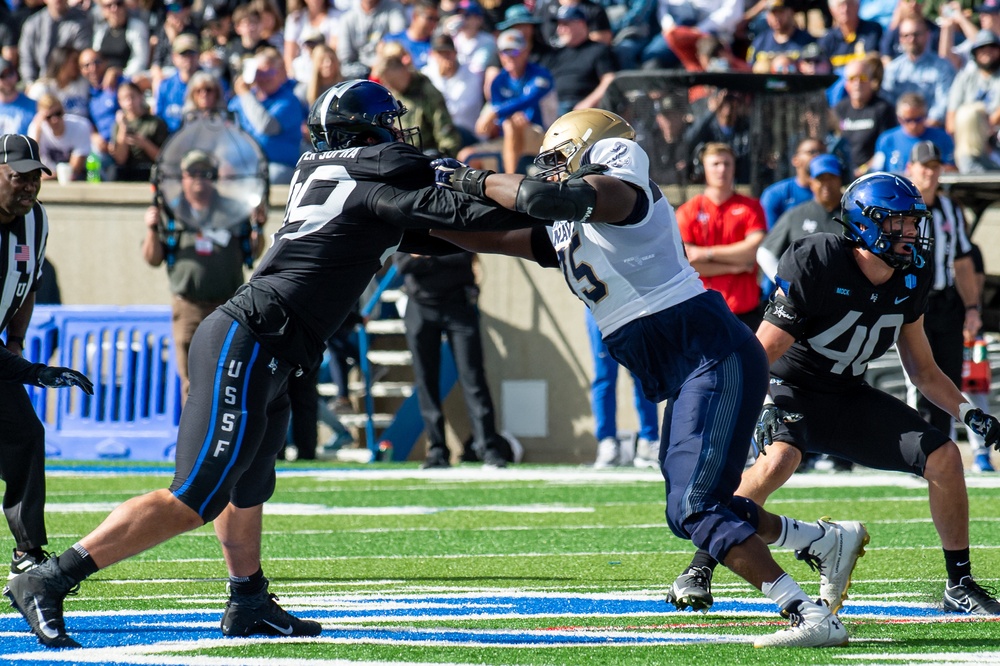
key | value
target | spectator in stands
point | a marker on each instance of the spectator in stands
(425, 105)
(979, 82)
(306, 17)
(594, 16)
(57, 25)
(177, 21)
(61, 137)
(416, 39)
(475, 47)
(862, 115)
(203, 271)
(693, 20)
(722, 230)
(204, 96)
(246, 22)
(726, 120)
(779, 197)
(582, 68)
(62, 78)
(103, 98)
(121, 39)
(516, 113)
(519, 17)
(136, 137)
(783, 34)
(171, 93)
(217, 34)
(325, 74)
(974, 150)
(633, 26)
(271, 22)
(270, 112)
(818, 214)
(892, 45)
(10, 27)
(16, 108)
(893, 147)
(462, 90)
(954, 19)
(850, 37)
(919, 69)
(361, 30)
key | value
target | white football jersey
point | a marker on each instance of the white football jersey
(626, 272)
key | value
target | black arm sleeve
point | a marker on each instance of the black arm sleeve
(541, 248)
(418, 241)
(15, 368)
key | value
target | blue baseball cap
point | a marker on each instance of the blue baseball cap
(825, 163)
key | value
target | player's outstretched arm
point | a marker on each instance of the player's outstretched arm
(516, 243)
(918, 362)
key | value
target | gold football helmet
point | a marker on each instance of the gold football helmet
(572, 134)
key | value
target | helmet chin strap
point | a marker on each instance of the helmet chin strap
(903, 261)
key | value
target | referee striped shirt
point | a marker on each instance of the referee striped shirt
(947, 228)
(22, 253)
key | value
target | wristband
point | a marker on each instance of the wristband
(964, 409)
(710, 254)
(977, 308)
(471, 181)
(19, 339)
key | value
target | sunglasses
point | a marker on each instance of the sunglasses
(113, 5)
(91, 63)
(8, 74)
(913, 120)
(863, 78)
(55, 114)
(188, 54)
(204, 174)
(511, 53)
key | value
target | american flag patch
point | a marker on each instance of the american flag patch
(22, 253)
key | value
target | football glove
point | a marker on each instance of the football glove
(55, 377)
(444, 169)
(984, 425)
(767, 425)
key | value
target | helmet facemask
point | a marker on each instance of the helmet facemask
(882, 242)
(555, 162)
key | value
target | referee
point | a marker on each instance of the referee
(953, 309)
(23, 232)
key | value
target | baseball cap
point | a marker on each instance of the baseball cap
(985, 38)
(826, 163)
(442, 42)
(20, 153)
(469, 7)
(570, 13)
(185, 42)
(924, 152)
(196, 157)
(511, 40)
(776, 4)
(517, 15)
(988, 7)
(313, 36)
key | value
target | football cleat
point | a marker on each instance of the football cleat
(647, 454)
(810, 625)
(436, 459)
(970, 597)
(247, 615)
(607, 453)
(692, 589)
(25, 562)
(982, 463)
(38, 595)
(835, 554)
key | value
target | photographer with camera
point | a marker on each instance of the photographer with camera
(204, 254)
(136, 137)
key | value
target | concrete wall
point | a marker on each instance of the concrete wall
(533, 326)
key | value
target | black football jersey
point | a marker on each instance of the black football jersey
(347, 212)
(839, 319)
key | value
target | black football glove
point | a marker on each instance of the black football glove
(54, 377)
(767, 425)
(985, 426)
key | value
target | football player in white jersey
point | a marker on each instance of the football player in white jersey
(616, 239)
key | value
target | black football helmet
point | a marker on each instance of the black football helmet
(357, 113)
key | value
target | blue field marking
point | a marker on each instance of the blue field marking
(137, 637)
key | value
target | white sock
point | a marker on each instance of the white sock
(798, 535)
(784, 591)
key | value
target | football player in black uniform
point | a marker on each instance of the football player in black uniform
(841, 302)
(364, 193)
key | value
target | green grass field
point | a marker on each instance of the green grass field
(531, 565)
